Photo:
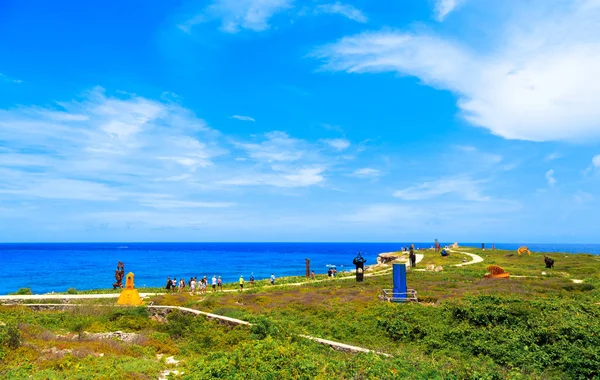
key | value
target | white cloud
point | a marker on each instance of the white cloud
(550, 177)
(243, 118)
(345, 10)
(596, 161)
(464, 188)
(537, 82)
(277, 146)
(553, 156)
(6, 78)
(366, 173)
(101, 148)
(236, 15)
(170, 204)
(444, 7)
(582, 197)
(337, 144)
(466, 148)
(280, 177)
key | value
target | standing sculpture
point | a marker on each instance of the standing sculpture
(119, 274)
(359, 261)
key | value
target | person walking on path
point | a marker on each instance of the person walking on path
(173, 284)
(214, 283)
(272, 279)
(334, 272)
(168, 287)
(411, 256)
(252, 279)
(312, 275)
(241, 283)
(220, 284)
(192, 286)
(329, 273)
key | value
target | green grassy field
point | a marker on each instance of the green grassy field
(532, 325)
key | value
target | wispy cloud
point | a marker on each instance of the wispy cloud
(582, 197)
(243, 118)
(237, 15)
(463, 188)
(366, 173)
(553, 156)
(541, 72)
(6, 78)
(276, 146)
(280, 177)
(101, 148)
(444, 7)
(345, 10)
(550, 177)
(337, 144)
(595, 165)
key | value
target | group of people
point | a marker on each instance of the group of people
(195, 286)
(241, 281)
(331, 273)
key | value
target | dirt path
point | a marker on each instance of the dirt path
(476, 258)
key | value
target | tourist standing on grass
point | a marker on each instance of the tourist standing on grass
(214, 283)
(411, 256)
(203, 282)
(272, 279)
(168, 287)
(174, 284)
(241, 283)
(181, 285)
(252, 279)
(312, 275)
(329, 273)
(220, 284)
(192, 286)
(334, 271)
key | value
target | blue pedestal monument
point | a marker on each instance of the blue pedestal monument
(399, 275)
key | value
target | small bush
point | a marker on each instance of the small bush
(24, 292)
(578, 287)
(12, 337)
(263, 327)
(72, 291)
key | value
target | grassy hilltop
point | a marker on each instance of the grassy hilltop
(531, 325)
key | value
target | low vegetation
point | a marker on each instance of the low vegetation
(537, 324)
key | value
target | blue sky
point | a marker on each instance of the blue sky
(283, 120)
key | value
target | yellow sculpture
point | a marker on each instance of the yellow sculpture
(129, 296)
(523, 250)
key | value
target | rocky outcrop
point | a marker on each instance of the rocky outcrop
(390, 257)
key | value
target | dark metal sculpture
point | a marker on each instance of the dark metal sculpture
(359, 261)
(119, 274)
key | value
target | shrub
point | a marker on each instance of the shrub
(12, 337)
(535, 335)
(263, 327)
(24, 292)
(72, 291)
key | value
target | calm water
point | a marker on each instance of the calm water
(57, 267)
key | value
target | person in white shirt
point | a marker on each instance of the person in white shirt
(214, 283)
(192, 286)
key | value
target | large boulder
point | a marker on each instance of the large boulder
(390, 257)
